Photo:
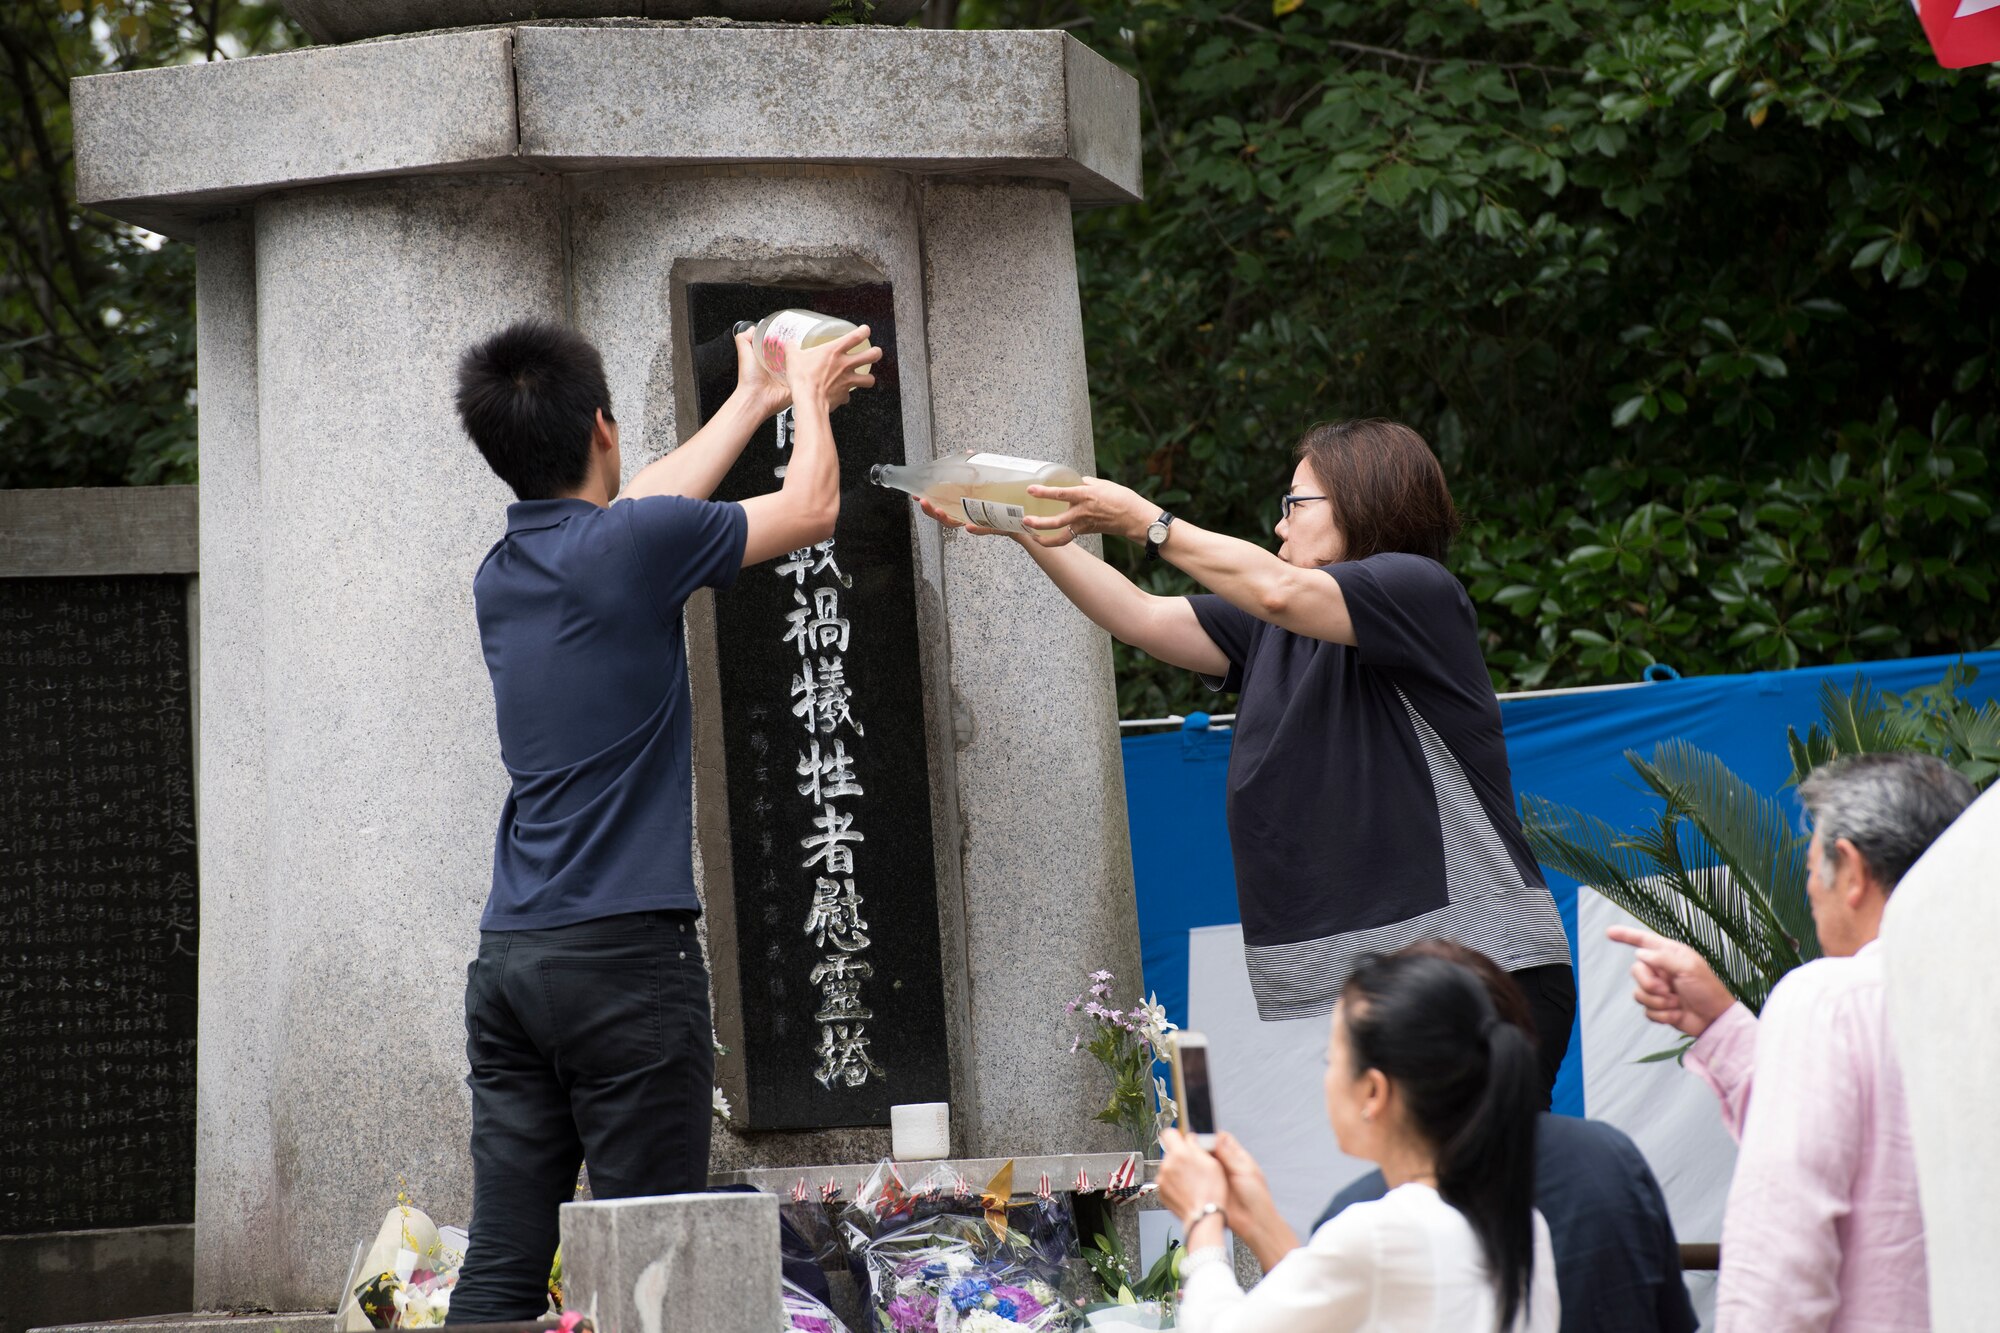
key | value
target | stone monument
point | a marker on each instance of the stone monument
(361, 213)
(1942, 993)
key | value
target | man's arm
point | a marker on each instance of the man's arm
(802, 511)
(699, 465)
(1725, 1056)
(1678, 990)
(1794, 1180)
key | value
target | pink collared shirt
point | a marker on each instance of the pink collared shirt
(1823, 1233)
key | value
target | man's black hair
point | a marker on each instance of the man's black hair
(529, 396)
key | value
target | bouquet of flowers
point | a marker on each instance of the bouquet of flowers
(951, 1257)
(1129, 1043)
(406, 1278)
(806, 1313)
(951, 1274)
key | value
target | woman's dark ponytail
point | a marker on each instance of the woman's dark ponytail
(1472, 1083)
(1487, 1169)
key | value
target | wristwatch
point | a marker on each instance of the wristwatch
(1156, 534)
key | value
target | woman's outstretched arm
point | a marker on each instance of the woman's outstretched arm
(1162, 627)
(1304, 601)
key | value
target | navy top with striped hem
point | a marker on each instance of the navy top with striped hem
(1370, 802)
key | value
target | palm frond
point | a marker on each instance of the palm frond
(1857, 721)
(1737, 828)
(1695, 910)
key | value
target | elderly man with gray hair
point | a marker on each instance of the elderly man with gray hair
(1822, 1231)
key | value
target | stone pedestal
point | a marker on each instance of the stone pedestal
(678, 1261)
(1943, 992)
(363, 213)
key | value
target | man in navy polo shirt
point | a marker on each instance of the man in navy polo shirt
(586, 1011)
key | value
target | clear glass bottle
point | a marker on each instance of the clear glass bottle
(986, 490)
(781, 332)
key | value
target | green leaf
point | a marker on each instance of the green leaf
(1871, 252)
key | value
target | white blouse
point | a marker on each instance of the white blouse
(1406, 1263)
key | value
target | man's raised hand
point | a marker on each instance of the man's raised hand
(832, 371)
(1672, 983)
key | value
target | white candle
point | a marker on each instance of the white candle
(920, 1131)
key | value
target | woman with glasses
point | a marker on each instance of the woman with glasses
(1370, 802)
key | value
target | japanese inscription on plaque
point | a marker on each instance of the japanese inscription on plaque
(98, 905)
(827, 775)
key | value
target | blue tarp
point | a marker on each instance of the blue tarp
(1566, 747)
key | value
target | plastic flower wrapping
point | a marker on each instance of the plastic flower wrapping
(948, 1257)
(806, 1313)
(405, 1278)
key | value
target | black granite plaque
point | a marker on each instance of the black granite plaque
(98, 906)
(828, 780)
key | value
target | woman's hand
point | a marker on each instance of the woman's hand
(769, 392)
(1253, 1214)
(1190, 1177)
(1249, 1192)
(1096, 506)
(946, 520)
(832, 371)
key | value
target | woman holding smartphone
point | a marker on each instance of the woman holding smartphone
(1426, 1080)
(1370, 801)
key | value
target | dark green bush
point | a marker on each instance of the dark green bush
(1699, 303)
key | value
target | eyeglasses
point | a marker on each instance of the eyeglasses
(1287, 503)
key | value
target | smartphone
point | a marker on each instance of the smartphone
(1191, 1087)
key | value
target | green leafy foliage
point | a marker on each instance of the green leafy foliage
(1695, 299)
(1117, 1272)
(1720, 868)
(1933, 720)
(96, 318)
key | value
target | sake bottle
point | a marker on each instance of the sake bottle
(782, 332)
(985, 490)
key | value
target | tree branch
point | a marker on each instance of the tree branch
(25, 243)
(81, 274)
(1406, 57)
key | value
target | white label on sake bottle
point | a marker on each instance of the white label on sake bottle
(784, 333)
(993, 514)
(1007, 460)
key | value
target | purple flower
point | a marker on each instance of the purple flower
(1024, 1306)
(913, 1314)
(1100, 976)
(1073, 1005)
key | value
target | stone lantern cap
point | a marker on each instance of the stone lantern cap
(163, 148)
(351, 20)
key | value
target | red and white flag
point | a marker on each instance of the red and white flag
(1962, 32)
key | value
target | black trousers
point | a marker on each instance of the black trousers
(587, 1042)
(1551, 995)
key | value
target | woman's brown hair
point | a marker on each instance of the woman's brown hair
(1385, 485)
